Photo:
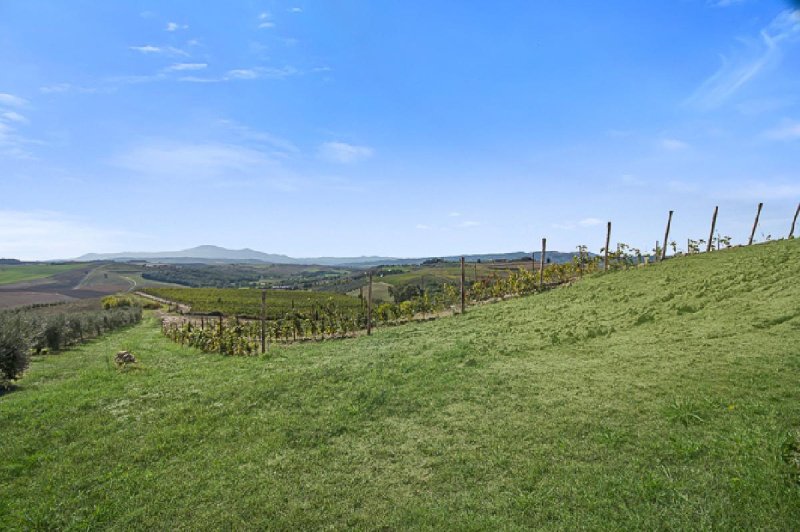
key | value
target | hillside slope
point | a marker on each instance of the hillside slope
(665, 397)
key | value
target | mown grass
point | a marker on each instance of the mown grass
(10, 274)
(659, 398)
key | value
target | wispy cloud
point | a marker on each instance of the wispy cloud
(251, 135)
(670, 144)
(295, 10)
(422, 227)
(469, 223)
(265, 21)
(13, 116)
(789, 130)
(590, 222)
(571, 225)
(165, 50)
(725, 3)
(174, 26)
(244, 74)
(12, 142)
(182, 67)
(210, 163)
(12, 101)
(341, 152)
(454, 214)
(746, 64)
(66, 87)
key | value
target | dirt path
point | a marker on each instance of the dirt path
(184, 309)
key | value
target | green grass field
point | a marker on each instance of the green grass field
(380, 292)
(660, 398)
(10, 274)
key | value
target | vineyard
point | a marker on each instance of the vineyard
(246, 302)
(292, 316)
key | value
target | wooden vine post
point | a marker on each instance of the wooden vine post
(666, 237)
(263, 320)
(608, 243)
(220, 334)
(794, 221)
(369, 305)
(755, 225)
(542, 263)
(463, 294)
(710, 245)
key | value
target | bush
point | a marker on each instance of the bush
(110, 302)
(29, 329)
(14, 348)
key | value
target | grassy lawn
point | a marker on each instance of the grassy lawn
(10, 274)
(380, 292)
(660, 398)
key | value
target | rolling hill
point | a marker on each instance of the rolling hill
(663, 397)
(215, 254)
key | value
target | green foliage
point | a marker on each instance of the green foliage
(54, 329)
(247, 302)
(110, 302)
(14, 347)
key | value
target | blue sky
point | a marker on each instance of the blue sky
(394, 128)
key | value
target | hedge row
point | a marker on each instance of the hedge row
(26, 331)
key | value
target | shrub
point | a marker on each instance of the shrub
(14, 348)
(110, 302)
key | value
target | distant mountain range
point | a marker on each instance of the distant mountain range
(218, 255)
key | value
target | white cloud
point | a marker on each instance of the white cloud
(296, 10)
(248, 134)
(341, 152)
(423, 227)
(165, 50)
(12, 116)
(43, 235)
(469, 223)
(266, 21)
(590, 222)
(174, 26)
(673, 144)
(746, 64)
(789, 130)
(569, 225)
(146, 49)
(725, 3)
(454, 214)
(203, 162)
(12, 101)
(244, 74)
(12, 143)
(182, 67)
(65, 87)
